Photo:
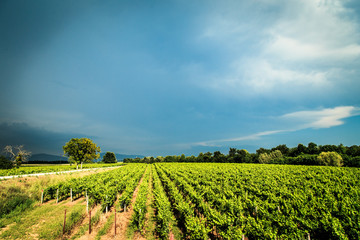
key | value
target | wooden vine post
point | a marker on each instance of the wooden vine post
(57, 196)
(42, 196)
(87, 203)
(90, 222)
(64, 223)
(106, 204)
(115, 222)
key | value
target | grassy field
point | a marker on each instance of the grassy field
(45, 168)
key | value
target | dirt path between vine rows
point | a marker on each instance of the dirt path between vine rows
(149, 216)
(95, 228)
(123, 218)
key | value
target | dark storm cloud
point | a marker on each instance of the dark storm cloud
(25, 27)
(35, 140)
(154, 77)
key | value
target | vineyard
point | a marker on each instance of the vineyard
(198, 201)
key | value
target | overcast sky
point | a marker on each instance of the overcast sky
(173, 77)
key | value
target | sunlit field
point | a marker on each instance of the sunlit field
(186, 201)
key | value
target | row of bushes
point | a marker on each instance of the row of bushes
(312, 159)
(274, 157)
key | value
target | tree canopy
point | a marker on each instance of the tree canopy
(298, 155)
(330, 159)
(109, 157)
(80, 150)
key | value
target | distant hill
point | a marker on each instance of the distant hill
(43, 157)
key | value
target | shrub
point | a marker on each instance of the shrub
(330, 159)
(5, 163)
(302, 159)
(351, 161)
(273, 157)
(264, 158)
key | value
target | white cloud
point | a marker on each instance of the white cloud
(324, 118)
(315, 30)
(255, 136)
(301, 49)
(297, 50)
(262, 77)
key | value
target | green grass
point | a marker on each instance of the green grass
(45, 168)
(85, 227)
(45, 222)
(19, 209)
(109, 223)
(16, 195)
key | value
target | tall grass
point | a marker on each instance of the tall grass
(20, 194)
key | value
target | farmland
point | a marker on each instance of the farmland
(43, 168)
(187, 201)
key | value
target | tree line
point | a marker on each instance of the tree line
(312, 154)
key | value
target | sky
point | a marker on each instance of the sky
(171, 77)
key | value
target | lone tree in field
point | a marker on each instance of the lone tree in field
(17, 154)
(109, 157)
(81, 150)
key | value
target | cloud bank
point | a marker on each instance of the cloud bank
(145, 77)
(300, 52)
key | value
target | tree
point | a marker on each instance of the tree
(264, 158)
(301, 149)
(282, 148)
(312, 148)
(207, 157)
(328, 148)
(81, 150)
(17, 154)
(109, 157)
(159, 159)
(219, 157)
(268, 158)
(262, 150)
(330, 159)
(353, 151)
(5, 163)
(232, 152)
(200, 157)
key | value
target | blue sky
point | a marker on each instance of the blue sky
(172, 77)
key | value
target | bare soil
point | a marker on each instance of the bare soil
(123, 219)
